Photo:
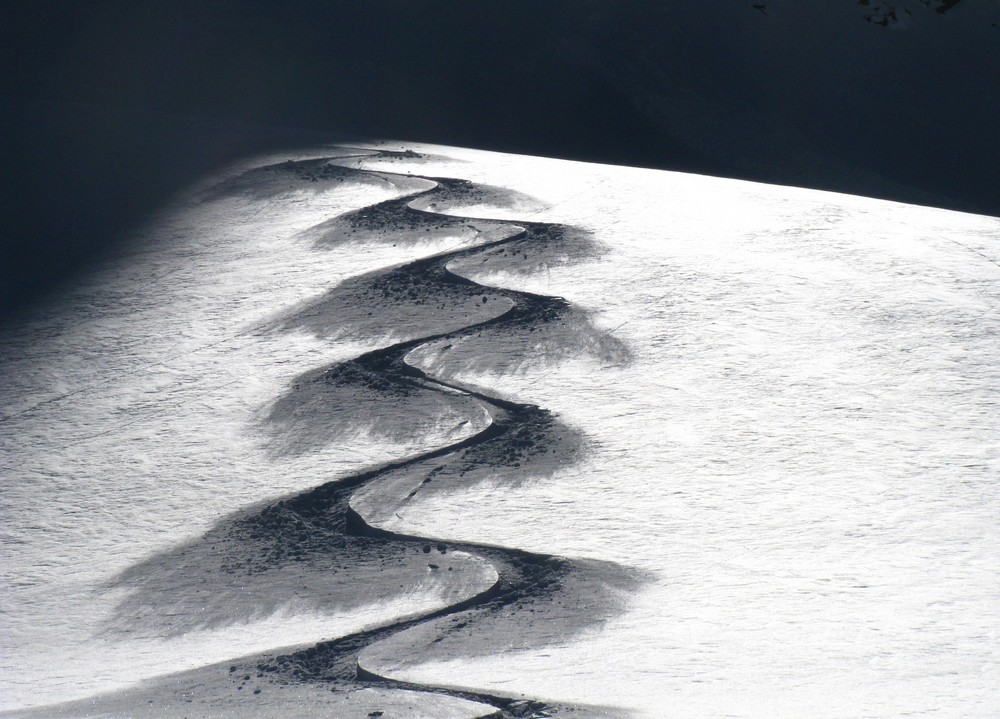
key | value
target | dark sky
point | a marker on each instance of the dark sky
(109, 107)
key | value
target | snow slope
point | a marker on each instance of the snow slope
(792, 455)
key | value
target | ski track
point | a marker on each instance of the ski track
(518, 440)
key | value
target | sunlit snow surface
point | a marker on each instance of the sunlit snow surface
(804, 452)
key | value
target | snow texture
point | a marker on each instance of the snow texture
(688, 445)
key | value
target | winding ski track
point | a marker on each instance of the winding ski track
(514, 431)
(518, 439)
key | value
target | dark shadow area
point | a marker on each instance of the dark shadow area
(278, 558)
(534, 445)
(452, 194)
(400, 303)
(333, 405)
(556, 600)
(318, 175)
(540, 332)
(393, 222)
(538, 249)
